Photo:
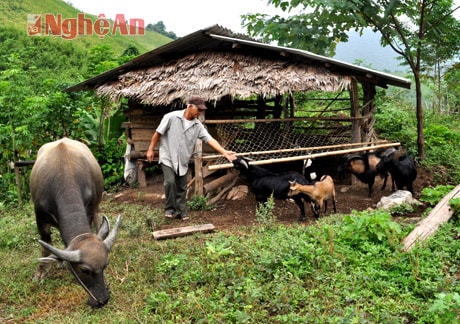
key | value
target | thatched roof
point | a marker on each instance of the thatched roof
(212, 74)
(215, 62)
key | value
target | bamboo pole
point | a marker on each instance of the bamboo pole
(312, 148)
(303, 157)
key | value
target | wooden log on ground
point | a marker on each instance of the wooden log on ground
(182, 231)
(222, 192)
(222, 181)
(441, 213)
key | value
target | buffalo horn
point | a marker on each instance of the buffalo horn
(71, 256)
(112, 235)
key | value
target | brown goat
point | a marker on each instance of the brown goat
(319, 192)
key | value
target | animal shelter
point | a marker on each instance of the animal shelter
(253, 92)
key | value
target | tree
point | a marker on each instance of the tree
(411, 28)
(160, 28)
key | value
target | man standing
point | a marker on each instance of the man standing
(177, 133)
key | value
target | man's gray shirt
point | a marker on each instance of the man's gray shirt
(178, 140)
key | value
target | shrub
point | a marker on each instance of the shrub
(376, 227)
(264, 213)
(199, 203)
(433, 195)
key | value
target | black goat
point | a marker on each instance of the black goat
(263, 183)
(364, 167)
(402, 169)
(313, 171)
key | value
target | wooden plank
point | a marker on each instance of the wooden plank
(141, 145)
(182, 231)
(142, 134)
(441, 213)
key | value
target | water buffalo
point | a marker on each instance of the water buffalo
(66, 184)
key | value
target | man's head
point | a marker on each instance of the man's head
(197, 101)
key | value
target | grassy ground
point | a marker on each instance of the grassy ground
(345, 269)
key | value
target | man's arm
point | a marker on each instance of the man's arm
(150, 152)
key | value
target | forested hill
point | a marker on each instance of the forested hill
(35, 69)
(17, 13)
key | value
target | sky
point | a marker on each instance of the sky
(182, 17)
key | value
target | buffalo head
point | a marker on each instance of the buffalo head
(87, 255)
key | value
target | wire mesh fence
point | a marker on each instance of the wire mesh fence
(271, 141)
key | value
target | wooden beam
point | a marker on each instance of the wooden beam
(441, 213)
(354, 112)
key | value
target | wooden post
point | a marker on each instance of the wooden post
(292, 105)
(141, 174)
(18, 184)
(16, 165)
(198, 162)
(368, 110)
(354, 112)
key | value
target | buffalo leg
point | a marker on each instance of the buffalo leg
(44, 230)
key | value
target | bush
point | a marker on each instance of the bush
(110, 158)
(377, 227)
(199, 203)
(264, 212)
(433, 195)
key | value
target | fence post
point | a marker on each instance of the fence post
(18, 183)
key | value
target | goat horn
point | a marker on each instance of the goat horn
(245, 163)
(71, 256)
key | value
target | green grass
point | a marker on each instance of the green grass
(344, 269)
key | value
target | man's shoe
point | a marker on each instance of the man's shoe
(183, 217)
(169, 214)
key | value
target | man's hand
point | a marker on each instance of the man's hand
(230, 155)
(150, 155)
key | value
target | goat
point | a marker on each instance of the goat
(364, 167)
(264, 183)
(319, 192)
(402, 169)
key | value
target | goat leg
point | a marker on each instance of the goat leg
(315, 209)
(299, 202)
(385, 177)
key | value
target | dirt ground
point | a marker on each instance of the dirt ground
(231, 213)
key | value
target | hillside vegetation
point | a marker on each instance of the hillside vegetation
(13, 14)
